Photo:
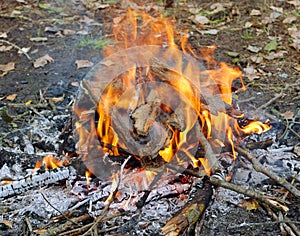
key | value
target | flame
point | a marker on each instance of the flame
(49, 162)
(88, 174)
(137, 28)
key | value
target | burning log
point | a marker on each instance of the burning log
(36, 180)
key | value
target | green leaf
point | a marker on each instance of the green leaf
(271, 46)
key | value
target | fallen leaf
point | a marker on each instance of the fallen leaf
(297, 68)
(278, 9)
(211, 32)
(253, 49)
(7, 67)
(271, 46)
(24, 50)
(98, 5)
(42, 61)
(233, 54)
(58, 99)
(39, 39)
(251, 73)
(88, 21)
(5, 48)
(255, 12)
(250, 204)
(274, 55)
(68, 32)
(203, 20)
(289, 19)
(52, 30)
(11, 97)
(275, 15)
(256, 59)
(75, 84)
(82, 32)
(288, 115)
(217, 7)
(3, 35)
(295, 3)
(83, 63)
(248, 24)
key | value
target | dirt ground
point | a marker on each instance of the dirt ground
(261, 37)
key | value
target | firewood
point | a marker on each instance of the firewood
(184, 221)
(36, 180)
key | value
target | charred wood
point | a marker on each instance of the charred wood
(185, 221)
(36, 180)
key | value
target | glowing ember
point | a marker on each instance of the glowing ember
(155, 97)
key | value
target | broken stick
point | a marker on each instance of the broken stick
(260, 168)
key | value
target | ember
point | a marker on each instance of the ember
(156, 100)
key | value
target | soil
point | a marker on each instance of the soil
(54, 85)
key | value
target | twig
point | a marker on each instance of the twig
(272, 201)
(286, 223)
(17, 47)
(28, 225)
(62, 214)
(209, 154)
(260, 168)
(279, 95)
(110, 199)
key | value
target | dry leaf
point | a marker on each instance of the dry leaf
(255, 12)
(75, 84)
(288, 115)
(250, 204)
(88, 21)
(42, 61)
(3, 35)
(289, 19)
(297, 68)
(68, 32)
(24, 50)
(5, 48)
(82, 32)
(83, 63)
(251, 73)
(203, 20)
(7, 67)
(58, 99)
(11, 97)
(211, 32)
(278, 9)
(253, 49)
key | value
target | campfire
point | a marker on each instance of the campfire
(157, 130)
(157, 101)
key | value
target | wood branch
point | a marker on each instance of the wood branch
(261, 144)
(183, 223)
(36, 180)
(270, 201)
(260, 168)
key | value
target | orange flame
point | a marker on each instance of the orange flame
(50, 162)
(138, 28)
